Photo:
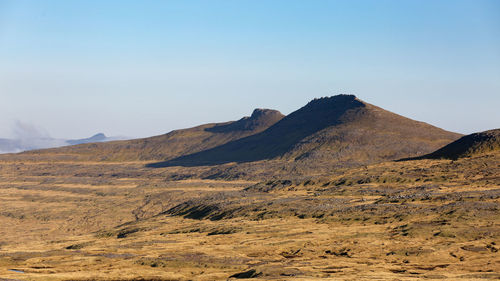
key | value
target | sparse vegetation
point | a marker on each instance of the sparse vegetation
(341, 226)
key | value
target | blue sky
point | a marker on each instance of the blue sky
(141, 68)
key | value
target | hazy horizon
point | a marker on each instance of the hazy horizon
(72, 69)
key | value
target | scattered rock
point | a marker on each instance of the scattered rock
(252, 273)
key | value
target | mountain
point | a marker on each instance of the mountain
(340, 130)
(466, 146)
(95, 138)
(175, 143)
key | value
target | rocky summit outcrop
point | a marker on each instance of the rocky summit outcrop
(259, 120)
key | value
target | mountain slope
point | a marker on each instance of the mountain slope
(469, 145)
(173, 144)
(335, 130)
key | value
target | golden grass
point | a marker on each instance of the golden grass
(431, 219)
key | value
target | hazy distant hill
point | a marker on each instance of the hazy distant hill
(95, 138)
(42, 142)
(175, 143)
(340, 130)
(469, 145)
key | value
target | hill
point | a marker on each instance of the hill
(95, 138)
(466, 146)
(170, 145)
(336, 131)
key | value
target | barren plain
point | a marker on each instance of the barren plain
(83, 220)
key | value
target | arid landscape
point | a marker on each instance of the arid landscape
(338, 190)
(278, 140)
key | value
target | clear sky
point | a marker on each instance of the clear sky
(141, 68)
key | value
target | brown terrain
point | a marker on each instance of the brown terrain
(215, 203)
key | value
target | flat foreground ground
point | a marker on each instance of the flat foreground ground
(432, 219)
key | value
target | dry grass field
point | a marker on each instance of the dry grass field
(431, 219)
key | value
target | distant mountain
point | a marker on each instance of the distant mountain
(100, 137)
(175, 143)
(466, 146)
(42, 142)
(340, 130)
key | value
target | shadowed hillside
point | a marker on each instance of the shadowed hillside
(171, 145)
(328, 131)
(469, 145)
